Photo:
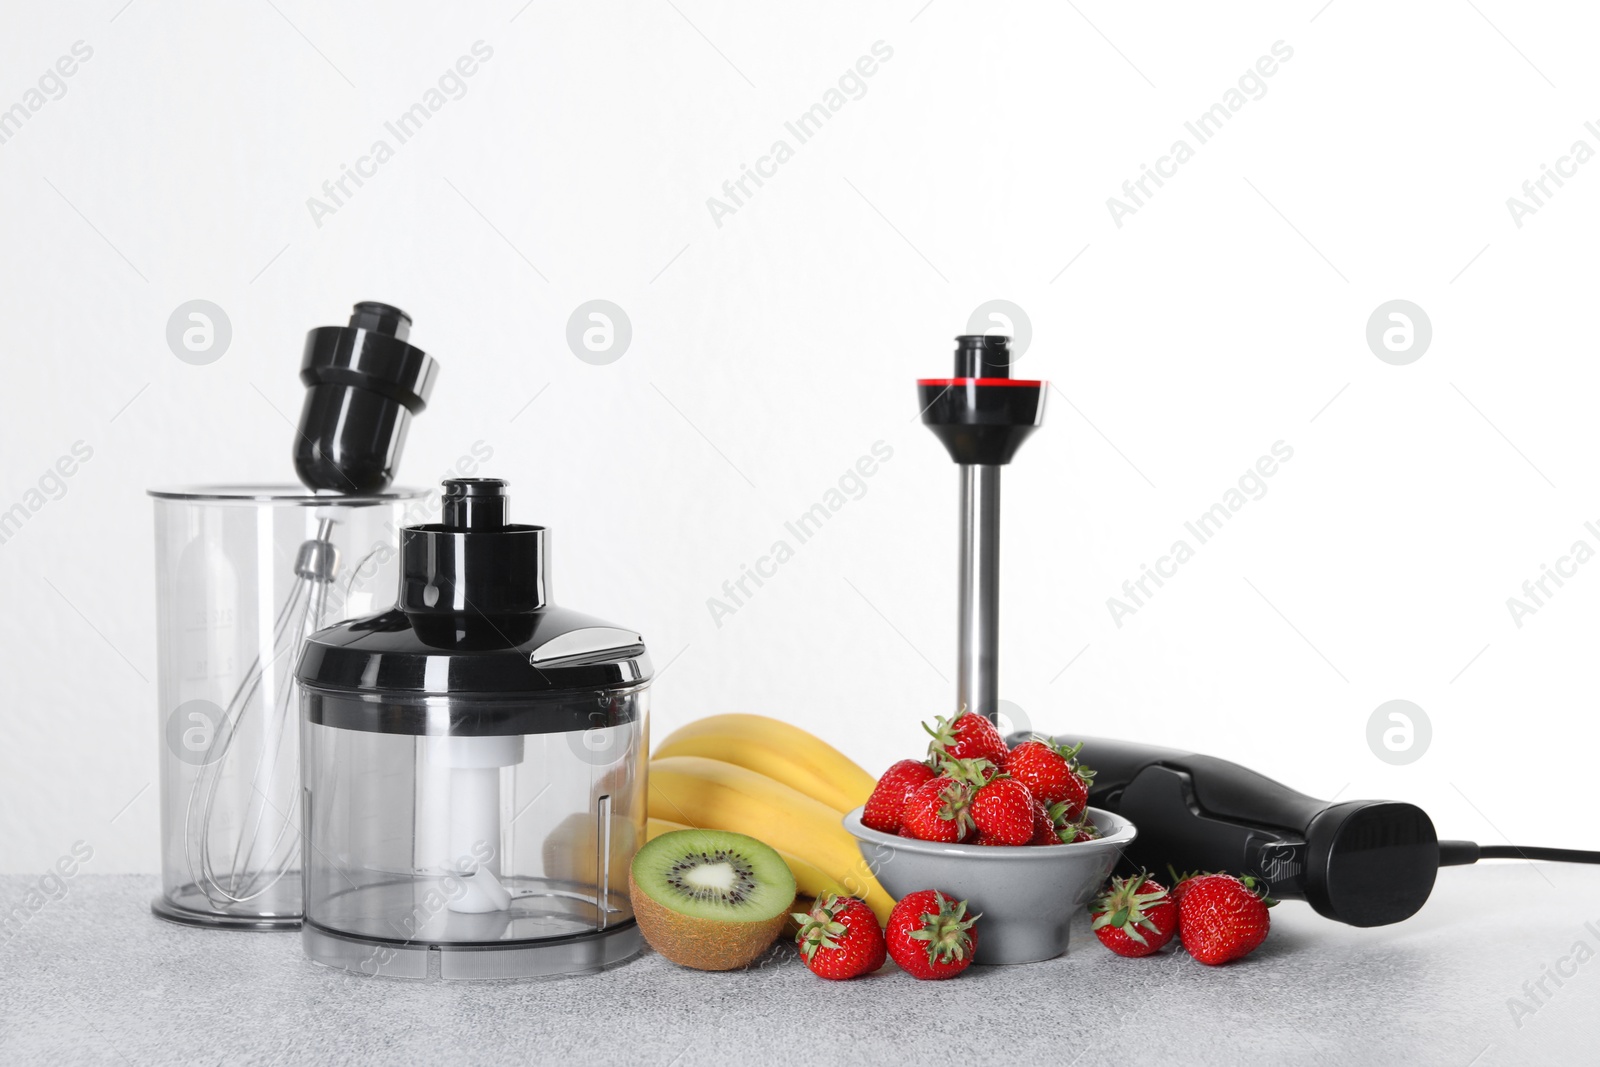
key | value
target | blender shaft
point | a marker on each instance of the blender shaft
(978, 653)
(981, 416)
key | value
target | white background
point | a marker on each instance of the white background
(770, 353)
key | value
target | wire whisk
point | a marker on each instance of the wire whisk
(262, 712)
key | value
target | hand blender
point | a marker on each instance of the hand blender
(1361, 862)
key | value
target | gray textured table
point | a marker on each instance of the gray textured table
(94, 978)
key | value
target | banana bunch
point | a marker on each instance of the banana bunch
(776, 783)
(778, 750)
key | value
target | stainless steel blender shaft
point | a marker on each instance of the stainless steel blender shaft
(981, 416)
(978, 643)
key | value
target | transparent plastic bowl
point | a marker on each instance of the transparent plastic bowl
(433, 852)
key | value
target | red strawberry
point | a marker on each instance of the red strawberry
(1222, 918)
(840, 938)
(970, 737)
(1082, 829)
(1051, 772)
(1003, 812)
(940, 810)
(1052, 827)
(889, 796)
(1044, 829)
(1181, 883)
(1134, 916)
(930, 936)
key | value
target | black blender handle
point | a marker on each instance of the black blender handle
(1362, 862)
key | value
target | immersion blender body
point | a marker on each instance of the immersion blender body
(1365, 863)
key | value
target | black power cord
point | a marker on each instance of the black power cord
(1459, 853)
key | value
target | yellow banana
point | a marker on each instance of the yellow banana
(812, 880)
(778, 750)
(711, 794)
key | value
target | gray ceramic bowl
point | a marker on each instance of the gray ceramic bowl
(1028, 895)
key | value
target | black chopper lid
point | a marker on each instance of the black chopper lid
(474, 617)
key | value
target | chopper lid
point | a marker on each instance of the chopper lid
(474, 617)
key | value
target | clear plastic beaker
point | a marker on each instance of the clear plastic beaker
(243, 575)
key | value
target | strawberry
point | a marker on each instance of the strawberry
(1181, 883)
(1052, 827)
(976, 771)
(930, 936)
(1044, 830)
(1222, 918)
(839, 938)
(1134, 916)
(968, 737)
(940, 810)
(889, 796)
(1003, 812)
(1082, 829)
(1051, 772)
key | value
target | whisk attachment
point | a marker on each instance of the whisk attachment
(265, 841)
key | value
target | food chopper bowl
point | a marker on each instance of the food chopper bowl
(473, 765)
(243, 574)
(1027, 895)
(434, 851)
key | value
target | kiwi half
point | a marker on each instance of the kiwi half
(710, 899)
